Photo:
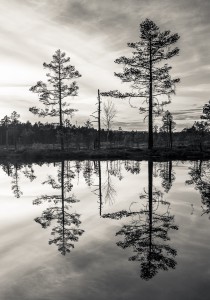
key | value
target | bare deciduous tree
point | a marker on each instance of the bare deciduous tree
(109, 112)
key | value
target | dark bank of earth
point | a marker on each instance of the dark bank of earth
(178, 153)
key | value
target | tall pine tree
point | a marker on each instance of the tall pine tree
(148, 79)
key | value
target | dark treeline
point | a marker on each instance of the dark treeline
(17, 135)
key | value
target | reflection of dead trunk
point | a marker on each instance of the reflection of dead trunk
(100, 192)
(99, 120)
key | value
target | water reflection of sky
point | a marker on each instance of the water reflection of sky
(96, 268)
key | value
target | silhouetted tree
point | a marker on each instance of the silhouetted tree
(168, 126)
(14, 122)
(206, 112)
(5, 122)
(53, 94)
(148, 79)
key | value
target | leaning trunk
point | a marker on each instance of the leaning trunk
(60, 110)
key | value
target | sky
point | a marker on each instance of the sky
(93, 33)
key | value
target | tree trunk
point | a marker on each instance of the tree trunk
(60, 110)
(99, 120)
(150, 140)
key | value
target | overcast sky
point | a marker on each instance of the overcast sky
(94, 33)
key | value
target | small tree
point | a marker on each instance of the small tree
(14, 122)
(5, 122)
(53, 94)
(168, 125)
(109, 112)
(142, 70)
(14, 118)
(206, 112)
(200, 128)
(88, 126)
(203, 126)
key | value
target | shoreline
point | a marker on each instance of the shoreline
(42, 155)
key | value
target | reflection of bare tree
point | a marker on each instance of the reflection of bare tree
(108, 187)
(13, 170)
(147, 232)
(67, 230)
(200, 178)
(167, 174)
(98, 187)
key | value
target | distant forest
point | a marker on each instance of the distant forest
(17, 135)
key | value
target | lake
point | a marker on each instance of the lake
(105, 230)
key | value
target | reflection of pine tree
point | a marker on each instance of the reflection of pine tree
(29, 172)
(167, 174)
(67, 230)
(148, 231)
(13, 171)
(15, 181)
(200, 177)
(78, 168)
(88, 172)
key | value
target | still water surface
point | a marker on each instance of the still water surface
(105, 230)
